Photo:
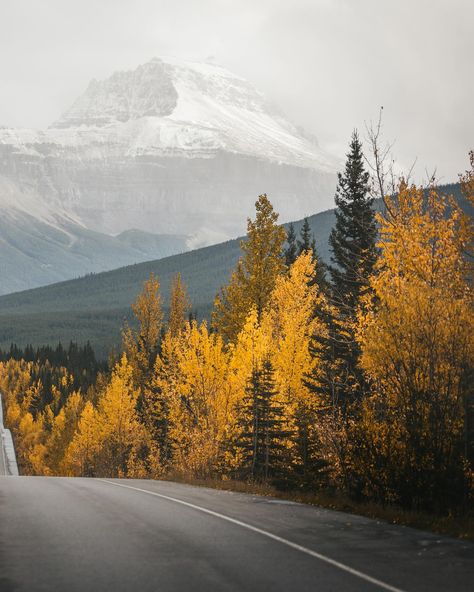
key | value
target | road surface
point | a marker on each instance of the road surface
(124, 535)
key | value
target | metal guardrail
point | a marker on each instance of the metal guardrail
(7, 452)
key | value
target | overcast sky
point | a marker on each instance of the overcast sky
(329, 64)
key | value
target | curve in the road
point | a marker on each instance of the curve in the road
(267, 534)
(80, 534)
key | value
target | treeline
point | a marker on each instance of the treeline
(78, 359)
(358, 376)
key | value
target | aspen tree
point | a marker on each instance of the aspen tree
(253, 280)
(109, 435)
(199, 399)
(63, 427)
(141, 345)
(417, 341)
(294, 326)
(81, 457)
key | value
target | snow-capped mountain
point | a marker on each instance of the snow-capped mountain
(171, 148)
(186, 109)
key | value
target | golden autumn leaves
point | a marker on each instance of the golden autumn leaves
(202, 381)
(416, 330)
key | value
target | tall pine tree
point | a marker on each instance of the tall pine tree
(307, 242)
(291, 251)
(352, 243)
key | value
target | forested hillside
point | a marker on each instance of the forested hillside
(93, 308)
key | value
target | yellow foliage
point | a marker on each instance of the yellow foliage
(179, 306)
(15, 380)
(293, 326)
(141, 345)
(85, 446)
(252, 346)
(62, 430)
(199, 398)
(253, 280)
(31, 450)
(420, 326)
(417, 338)
(109, 435)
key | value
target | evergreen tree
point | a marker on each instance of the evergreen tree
(262, 439)
(352, 242)
(307, 242)
(291, 251)
(141, 346)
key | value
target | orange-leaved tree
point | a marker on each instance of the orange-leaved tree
(417, 341)
(253, 280)
(293, 326)
(193, 377)
(110, 436)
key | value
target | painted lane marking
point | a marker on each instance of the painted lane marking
(267, 534)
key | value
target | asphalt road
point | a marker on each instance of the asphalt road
(91, 535)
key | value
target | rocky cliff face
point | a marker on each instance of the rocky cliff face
(169, 148)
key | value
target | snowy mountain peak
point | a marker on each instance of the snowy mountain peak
(171, 107)
(171, 147)
(153, 90)
(146, 91)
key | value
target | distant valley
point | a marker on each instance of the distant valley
(93, 308)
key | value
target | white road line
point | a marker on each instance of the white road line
(267, 534)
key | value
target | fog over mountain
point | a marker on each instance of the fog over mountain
(175, 151)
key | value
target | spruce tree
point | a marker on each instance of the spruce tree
(352, 240)
(352, 243)
(291, 251)
(307, 242)
(263, 435)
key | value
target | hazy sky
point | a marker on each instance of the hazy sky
(329, 64)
